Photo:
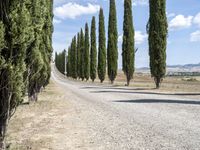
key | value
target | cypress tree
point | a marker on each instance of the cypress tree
(14, 26)
(102, 48)
(69, 65)
(74, 58)
(78, 54)
(82, 59)
(55, 57)
(112, 50)
(25, 29)
(57, 60)
(39, 53)
(128, 53)
(62, 62)
(93, 51)
(86, 53)
(157, 30)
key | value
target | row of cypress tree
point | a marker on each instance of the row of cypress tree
(82, 53)
(86, 65)
(25, 53)
(60, 61)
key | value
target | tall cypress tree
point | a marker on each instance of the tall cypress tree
(69, 65)
(78, 54)
(86, 53)
(157, 30)
(102, 48)
(82, 59)
(56, 58)
(128, 54)
(25, 32)
(15, 38)
(61, 62)
(93, 51)
(112, 49)
(39, 53)
(74, 58)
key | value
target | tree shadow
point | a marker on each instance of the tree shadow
(159, 101)
(25, 103)
(117, 88)
(147, 93)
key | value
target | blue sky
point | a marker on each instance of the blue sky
(183, 17)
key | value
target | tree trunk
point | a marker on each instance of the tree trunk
(33, 97)
(112, 82)
(128, 82)
(3, 125)
(157, 81)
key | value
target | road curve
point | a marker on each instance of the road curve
(122, 118)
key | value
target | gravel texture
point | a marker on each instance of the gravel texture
(122, 118)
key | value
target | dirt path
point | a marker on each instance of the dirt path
(72, 115)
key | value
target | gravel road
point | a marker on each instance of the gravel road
(123, 118)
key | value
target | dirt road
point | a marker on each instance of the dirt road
(105, 117)
(124, 118)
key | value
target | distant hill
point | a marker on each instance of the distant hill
(176, 68)
(185, 66)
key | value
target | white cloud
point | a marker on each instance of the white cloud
(180, 22)
(58, 2)
(73, 10)
(120, 38)
(140, 2)
(169, 15)
(197, 19)
(139, 37)
(195, 36)
(56, 21)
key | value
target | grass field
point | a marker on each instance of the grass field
(36, 126)
(169, 84)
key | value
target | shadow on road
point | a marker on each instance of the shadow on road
(145, 93)
(164, 101)
(117, 88)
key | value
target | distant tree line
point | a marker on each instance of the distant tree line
(25, 53)
(82, 54)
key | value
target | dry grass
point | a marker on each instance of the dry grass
(34, 126)
(169, 84)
